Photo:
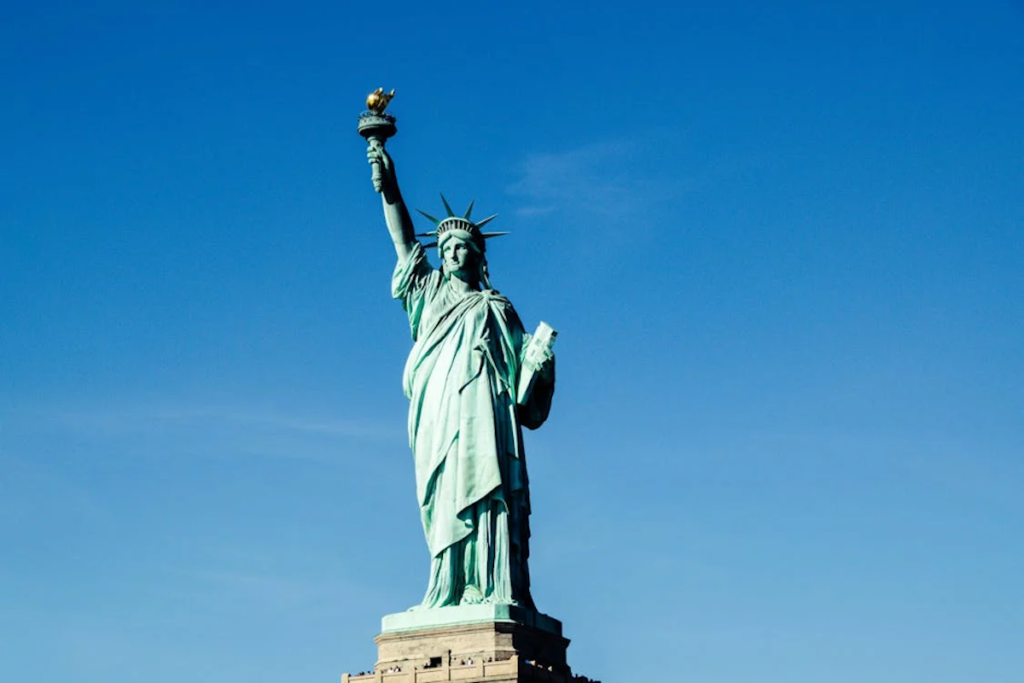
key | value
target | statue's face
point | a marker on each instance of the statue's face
(459, 259)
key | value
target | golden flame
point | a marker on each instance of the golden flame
(377, 101)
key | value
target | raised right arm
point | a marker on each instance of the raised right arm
(396, 215)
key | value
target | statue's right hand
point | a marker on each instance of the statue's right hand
(383, 166)
(375, 151)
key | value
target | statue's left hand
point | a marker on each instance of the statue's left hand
(540, 360)
(547, 369)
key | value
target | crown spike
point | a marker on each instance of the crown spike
(428, 216)
(489, 235)
(480, 224)
(469, 211)
(447, 207)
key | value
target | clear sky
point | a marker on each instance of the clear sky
(783, 244)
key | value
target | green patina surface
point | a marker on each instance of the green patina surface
(474, 379)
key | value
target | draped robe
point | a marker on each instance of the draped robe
(465, 431)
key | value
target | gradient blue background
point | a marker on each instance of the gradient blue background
(782, 242)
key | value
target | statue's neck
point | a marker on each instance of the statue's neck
(461, 286)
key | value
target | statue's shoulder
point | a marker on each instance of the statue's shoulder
(502, 306)
(496, 298)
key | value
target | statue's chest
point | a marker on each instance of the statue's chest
(464, 316)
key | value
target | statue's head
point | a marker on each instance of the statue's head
(462, 257)
(461, 244)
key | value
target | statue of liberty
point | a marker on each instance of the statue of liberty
(474, 379)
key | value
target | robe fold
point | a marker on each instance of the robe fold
(465, 431)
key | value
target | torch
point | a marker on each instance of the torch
(375, 125)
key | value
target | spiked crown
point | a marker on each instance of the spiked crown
(451, 225)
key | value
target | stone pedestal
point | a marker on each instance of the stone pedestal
(473, 644)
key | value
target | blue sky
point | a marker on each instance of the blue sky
(782, 243)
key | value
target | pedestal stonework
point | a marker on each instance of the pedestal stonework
(473, 644)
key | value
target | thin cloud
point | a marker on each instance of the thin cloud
(612, 180)
(114, 421)
(207, 430)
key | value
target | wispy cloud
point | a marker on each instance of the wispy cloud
(612, 180)
(195, 428)
(120, 420)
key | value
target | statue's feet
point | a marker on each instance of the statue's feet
(471, 596)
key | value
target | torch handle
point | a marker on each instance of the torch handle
(377, 175)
